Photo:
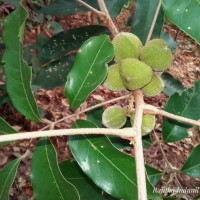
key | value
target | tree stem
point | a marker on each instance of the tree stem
(99, 13)
(153, 110)
(110, 22)
(139, 157)
(50, 124)
(125, 133)
(154, 21)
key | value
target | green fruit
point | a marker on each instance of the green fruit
(148, 123)
(113, 80)
(157, 55)
(134, 73)
(126, 45)
(154, 87)
(114, 117)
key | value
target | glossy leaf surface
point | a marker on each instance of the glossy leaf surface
(143, 17)
(89, 69)
(62, 43)
(55, 73)
(47, 180)
(185, 14)
(186, 104)
(18, 74)
(7, 176)
(5, 128)
(86, 188)
(191, 166)
(172, 85)
(110, 169)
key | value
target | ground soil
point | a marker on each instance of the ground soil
(185, 67)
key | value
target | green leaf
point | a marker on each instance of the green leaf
(86, 188)
(54, 73)
(4, 99)
(186, 104)
(95, 116)
(146, 141)
(62, 43)
(170, 41)
(171, 84)
(60, 7)
(153, 174)
(143, 17)
(47, 180)
(114, 7)
(109, 168)
(7, 176)
(18, 74)
(89, 69)
(12, 2)
(191, 166)
(5, 128)
(185, 14)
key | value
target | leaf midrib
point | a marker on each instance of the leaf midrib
(5, 183)
(83, 82)
(110, 162)
(55, 181)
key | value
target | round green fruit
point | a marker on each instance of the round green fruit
(157, 55)
(134, 73)
(114, 117)
(126, 45)
(154, 87)
(148, 123)
(113, 80)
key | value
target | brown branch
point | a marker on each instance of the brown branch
(170, 167)
(125, 133)
(103, 14)
(110, 22)
(153, 110)
(99, 13)
(139, 157)
(154, 21)
(86, 110)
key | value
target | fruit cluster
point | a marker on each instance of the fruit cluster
(136, 68)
